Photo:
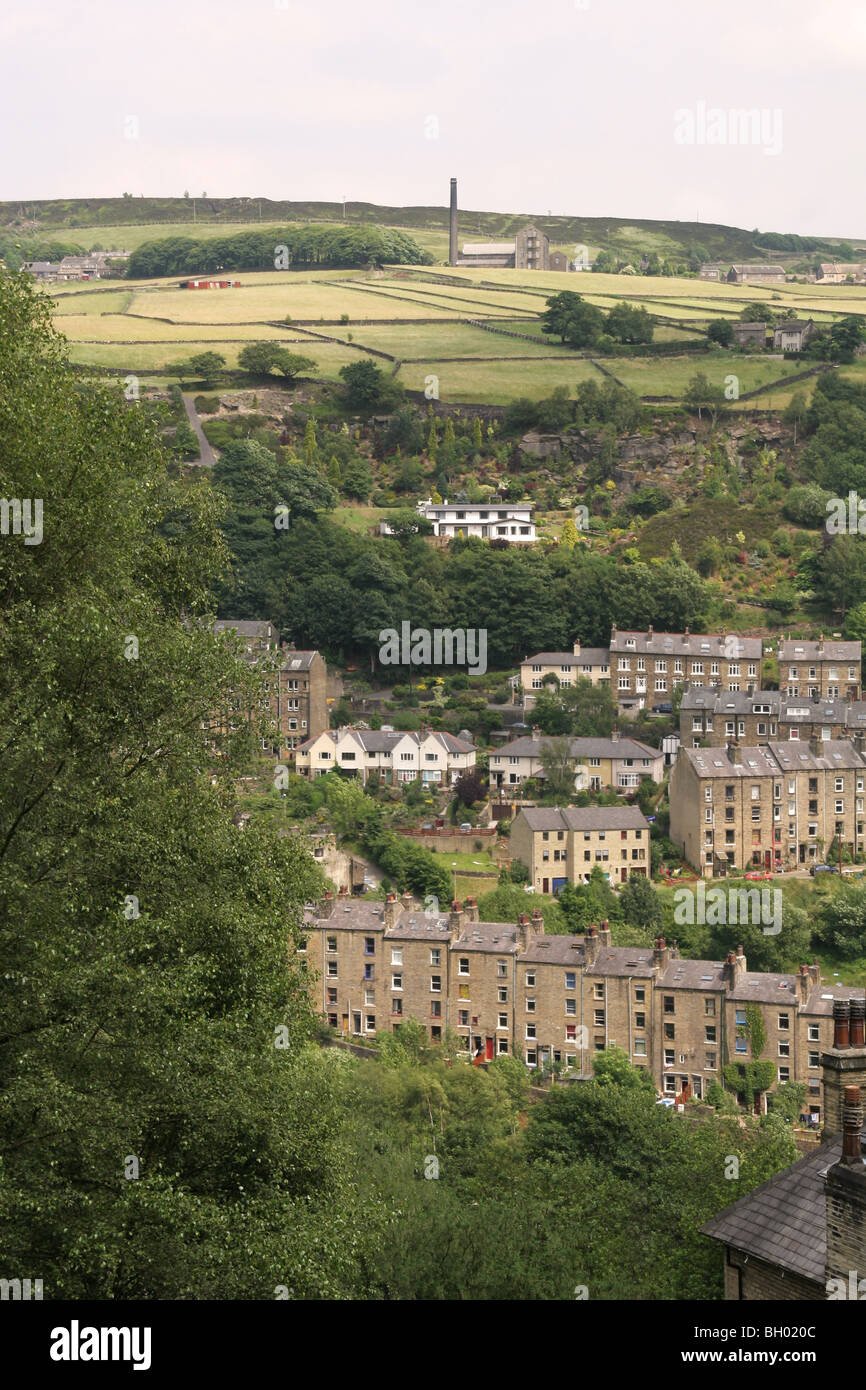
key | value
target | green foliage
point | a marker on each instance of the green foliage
(640, 904)
(720, 331)
(508, 901)
(254, 250)
(270, 359)
(572, 319)
(629, 323)
(367, 388)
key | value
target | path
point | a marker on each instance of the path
(206, 458)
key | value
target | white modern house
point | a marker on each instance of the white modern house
(492, 521)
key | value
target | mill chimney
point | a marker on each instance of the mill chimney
(452, 225)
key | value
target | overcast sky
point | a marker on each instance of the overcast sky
(593, 107)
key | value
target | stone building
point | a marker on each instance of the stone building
(709, 717)
(750, 334)
(508, 988)
(792, 335)
(761, 274)
(802, 1235)
(827, 668)
(769, 807)
(564, 844)
(558, 260)
(530, 250)
(297, 680)
(598, 764)
(646, 667)
(562, 669)
(394, 755)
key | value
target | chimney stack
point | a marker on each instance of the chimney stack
(852, 1124)
(843, 1064)
(590, 945)
(538, 921)
(604, 933)
(452, 225)
(729, 971)
(804, 985)
(407, 901)
(455, 919)
(845, 1204)
(390, 915)
(734, 753)
(575, 646)
(327, 905)
(815, 972)
(740, 960)
(661, 955)
(470, 908)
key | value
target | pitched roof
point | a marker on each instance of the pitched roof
(587, 656)
(799, 649)
(784, 1220)
(584, 818)
(729, 646)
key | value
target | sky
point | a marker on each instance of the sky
(575, 107)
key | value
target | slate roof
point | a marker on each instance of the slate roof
(694, 644)
(784, 1220)
(623, 961)
(693, 974)
(585, 818)
(581, 748)
(247, 629)
(555, 950)
(587, 656)
(798, 649)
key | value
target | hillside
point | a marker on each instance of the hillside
(629, 236)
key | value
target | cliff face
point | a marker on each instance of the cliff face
(658, 456)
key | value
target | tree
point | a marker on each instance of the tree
(720, 331)
(469, 788)
(640, 903)
(206, 366)
(365, 386)
(629, 323)
(558, 766)
(572, 319)
(270, 359)
(150, 1123)
(357, 479)
(845, 337)
(311, 447)
(582, 709)
(702, 395)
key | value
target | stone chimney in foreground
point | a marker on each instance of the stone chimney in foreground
(845, 1199)
(661, 955)
(604, 933)
(843, 1064)
(804, 986)
(391, 912)
(327, 905)
(407, 902)
(456, 919)
(740, 960)
(538, 921)
(591, 945)
(470, 908)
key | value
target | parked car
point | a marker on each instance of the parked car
(466, 826)
(663, 709)
(758, 873)
(824, 869)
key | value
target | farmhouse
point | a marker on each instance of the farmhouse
(837, 272)
(750, 334)
(755, 274)
(793, 335)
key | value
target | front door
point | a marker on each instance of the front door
(544, 884)
(488, 1049)
(345, 1023)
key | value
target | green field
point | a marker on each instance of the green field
(155, 325)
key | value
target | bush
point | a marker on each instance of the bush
(207, 405)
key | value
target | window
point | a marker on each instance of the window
(669, 1056)
(570, 979)
(710, 1008)
(332, 943)
(371, 1023)
(435, 984)
(709, 1061)
(463, 992)
(640, 1047)
(740, 1045)
(530, 1006)
(670, 1032)
(814, 1059)
(332, 996)
(435, 1008)
(599, 991)
(640, 995)
(814, 1032)
(462, 1018)
(396, 955)
(710, 1033)
(397, 1007)
(784, 1049)
(436, 956)
(501, 969)
(599, 1018)
(463, 966)
(640, 1020)
(784, 1021)
(530, 979)
(332, 969)
(669, 1003)
(502, 996)
(740, 1018)
(396, 981)
(530, 1030)
(571, 1006)
(369, 972)
(369, 945)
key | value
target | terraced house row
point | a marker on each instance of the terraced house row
(770, 806)
(646, 668)
(507, 988)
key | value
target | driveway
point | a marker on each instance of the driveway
(206, 458)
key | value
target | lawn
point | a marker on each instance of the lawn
(274, 299)
(496, 382)
(449, 340)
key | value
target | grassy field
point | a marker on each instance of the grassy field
(154, 325)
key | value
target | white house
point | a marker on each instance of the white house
(492, 521)
(397, 755)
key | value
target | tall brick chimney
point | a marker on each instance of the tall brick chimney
(661, 955)
(845, 1198)
(452, 225)
(591, 945)
(391, 912)
(538, 921)
(843, 1064)
(407, 902)
(604, 933)
(470, 908)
